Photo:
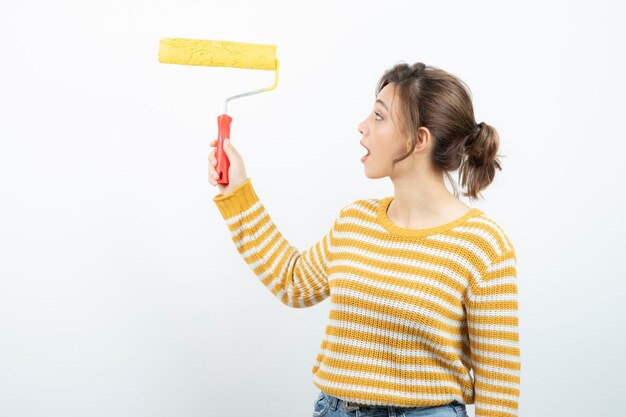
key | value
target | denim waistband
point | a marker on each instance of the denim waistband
(352, 405)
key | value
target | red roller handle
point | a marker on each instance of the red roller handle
(223, 132)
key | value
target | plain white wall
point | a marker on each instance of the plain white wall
(121, 292)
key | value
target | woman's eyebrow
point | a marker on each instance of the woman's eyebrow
(382, 102)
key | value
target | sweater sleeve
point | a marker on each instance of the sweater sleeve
(492, 319)
(297, 279)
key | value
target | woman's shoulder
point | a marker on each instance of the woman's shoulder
(362, 205)
(490, 233)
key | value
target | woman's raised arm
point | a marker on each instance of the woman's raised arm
(298, 279)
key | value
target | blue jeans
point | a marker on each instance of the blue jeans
(329, 406)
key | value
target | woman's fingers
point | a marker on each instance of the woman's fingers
(212, 158)
(212, 176)
(212, 173)
(213, 164)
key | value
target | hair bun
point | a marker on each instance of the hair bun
(471, 137)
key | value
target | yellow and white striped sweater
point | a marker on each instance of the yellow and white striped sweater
(413, 311)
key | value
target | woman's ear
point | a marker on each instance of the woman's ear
(424, 138)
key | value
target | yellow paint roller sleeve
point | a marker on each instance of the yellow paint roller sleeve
(217, 53)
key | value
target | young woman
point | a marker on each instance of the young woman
(423, 287)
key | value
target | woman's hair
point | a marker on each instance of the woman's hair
(441, 102)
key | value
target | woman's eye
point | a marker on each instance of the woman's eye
(381, 118)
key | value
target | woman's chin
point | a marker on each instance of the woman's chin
(372, 175)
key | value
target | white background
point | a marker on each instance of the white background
(121, 293)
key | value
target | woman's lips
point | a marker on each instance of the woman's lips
(366, 155)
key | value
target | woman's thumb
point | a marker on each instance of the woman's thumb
(228, 148)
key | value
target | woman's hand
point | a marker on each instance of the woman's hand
(236, 170)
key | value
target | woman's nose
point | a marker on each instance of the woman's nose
(358, 127)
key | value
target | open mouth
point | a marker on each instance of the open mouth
(366, 155)
(368, 151)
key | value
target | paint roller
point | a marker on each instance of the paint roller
(213, 53)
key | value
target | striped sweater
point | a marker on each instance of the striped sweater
(413, 311)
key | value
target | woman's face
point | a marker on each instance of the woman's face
(380, 135)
